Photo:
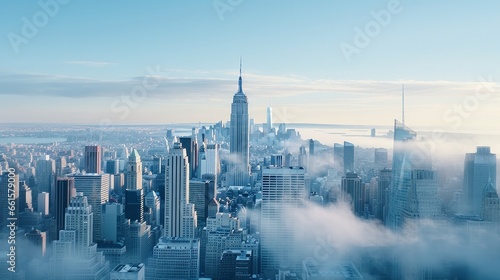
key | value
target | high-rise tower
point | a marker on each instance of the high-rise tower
(282, 187)
(270, 118)
(134, 195)
(479, 170)
(179, 215)
(134, 171)
(239, 142)
(93, 159)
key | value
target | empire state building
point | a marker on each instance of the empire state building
(239, 142)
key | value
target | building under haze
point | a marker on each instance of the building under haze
(239, 145)
(404, 139)
(282, 188)
(479, 170)
(269, 119)
(353, 192)
(338, 157)
(75, 254)
(348, 157)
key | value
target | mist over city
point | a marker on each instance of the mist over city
(240, 140)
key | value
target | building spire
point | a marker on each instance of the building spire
(240, 83)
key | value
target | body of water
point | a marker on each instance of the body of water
(30, 140)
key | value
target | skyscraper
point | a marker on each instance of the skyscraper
(479, 170)
(380, 161)
(45, 172)
(8, 181)
(176, 192)
(239, 138)
(113, 166)
(353, 192)
(338, 157)
(402, 164)
(282, 187)
(92, 159)
(75, 253)
(175, 258)
(270, 119)
(188, 144)
(383, 187)
(43, 203)
(96, 188)
(423, 199)
(348, 157)
(134, 195)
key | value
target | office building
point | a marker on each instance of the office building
(153, 214)
(96, 188)
(479, 170)
(348, 157)
(235, 265)
(239, 138)
(177, 194)
(113, 166)
(43, 203)
(65, 190)
(174, 258)
(338, 157)
(383, 187)
(114, 223)
(134, 171)
(75, 254)
(353, 192)
(223, 233)
(281, 188)
(92, 159)
(130, 271)
(380, 160)
(38, 241)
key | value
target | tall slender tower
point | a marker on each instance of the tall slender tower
(93, 159)
(270, 118)
(239, 145)
(65, 190)
(180, 217)
(134, 171)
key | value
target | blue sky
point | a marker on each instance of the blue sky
(89, 54)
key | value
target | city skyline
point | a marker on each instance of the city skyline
(362, 145)
(328, 84)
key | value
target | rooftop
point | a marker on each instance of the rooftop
(128, 268)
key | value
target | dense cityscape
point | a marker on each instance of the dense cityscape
(240, 200)
(249, 140)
